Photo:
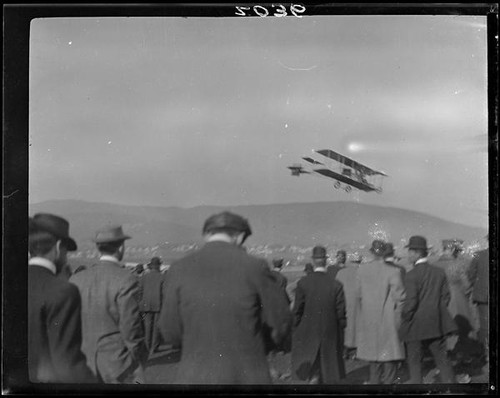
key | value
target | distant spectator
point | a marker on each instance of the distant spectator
(392, 260)
(280, 278)
(150, 304)
(308, 269)
(340, 259)
(138, 270)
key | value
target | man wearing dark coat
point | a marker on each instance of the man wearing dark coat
(319, 322)
(426, 320)
(150, 304)
(340, 263)
(479, 276)
(54, 307)
(218, 303)
(113, 334)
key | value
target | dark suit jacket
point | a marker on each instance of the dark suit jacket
(425, 312)
(319, 322)
(479, 276)
(150, 286)
(113, 334)
(54, 330)
(216, 303)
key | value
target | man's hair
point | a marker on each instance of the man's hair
(40, 243)
(423, 252)
(109, 247)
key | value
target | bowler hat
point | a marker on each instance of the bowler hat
(54, 225)
(155, 261)
(110, 234)
(319, 252)
(417, 242)
(227, 221)
(378, 247)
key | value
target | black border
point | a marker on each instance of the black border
(17, 19)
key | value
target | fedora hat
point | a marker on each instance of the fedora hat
(55, 225)
(417, 242)
(378, 247)
(319, 252)
(110, 234)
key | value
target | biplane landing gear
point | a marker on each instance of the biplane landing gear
(337, 185)
(347, 189)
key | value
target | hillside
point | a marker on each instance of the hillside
(334, 224)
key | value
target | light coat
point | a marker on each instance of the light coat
(348, 277)
(112, 331)
(381, 295)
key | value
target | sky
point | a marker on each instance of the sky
(211, 111)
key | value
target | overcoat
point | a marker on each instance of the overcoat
(150, 288)
(54, 330)
(456, 270)
(217, 303)
(425, 312)
(348, 276)
(113, 334)
(381, 294)
(479, 276)
(319, 322)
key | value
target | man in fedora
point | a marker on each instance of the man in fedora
(218, 304)
(151, 287)
(54, 307)
(113, 335)
(380, 293)
(425, 318)
(319, 322)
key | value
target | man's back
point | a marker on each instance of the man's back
(54, 330)
(425, 314)
(113, 336)
(215, 303)
(150, 286)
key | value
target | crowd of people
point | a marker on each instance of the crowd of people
(229, 312)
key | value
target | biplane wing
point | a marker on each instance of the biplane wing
(346, 180)
(312, 161)
(349, 162)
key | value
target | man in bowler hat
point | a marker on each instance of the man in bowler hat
(113, 334)
(319, 322)
(54, 307)
(426, 320)
(218, 304)
(151, 287)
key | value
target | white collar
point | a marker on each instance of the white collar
(43, 262)
(109, 258)
(320, 269)
(421, 260)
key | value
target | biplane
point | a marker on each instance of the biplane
(342, 169)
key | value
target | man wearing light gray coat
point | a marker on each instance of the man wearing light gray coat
(381, 296)
(112, 331)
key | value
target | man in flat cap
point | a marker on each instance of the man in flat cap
(426, 320)
(151, 287)
(54, 307)
(113, 334)
(380, 293)
(217, 303)
(319, 322)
